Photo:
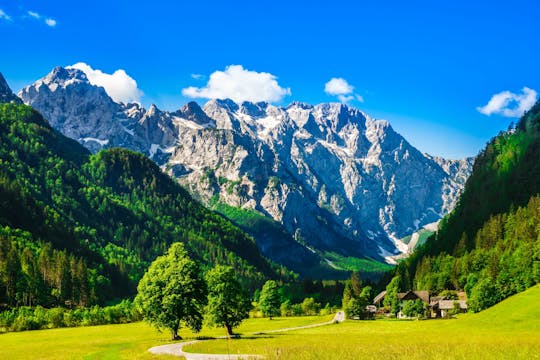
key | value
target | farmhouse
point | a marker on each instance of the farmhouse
(422, 295)
(403, 296)
(438, 306)
(441, 308)
(414, 295)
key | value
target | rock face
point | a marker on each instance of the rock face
(6, 95)
(336, 179)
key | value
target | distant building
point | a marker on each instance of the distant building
(414, 295)
(442, 308)
(438, 306)
(377, 300)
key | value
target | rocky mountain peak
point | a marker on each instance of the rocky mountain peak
(153, 110)
(337, 115)
(300, 105)
(193, 112)
(4, 87)
(61, 75)
(255, 110)
(59, 79)
(78, 109)
(6, 95)
(226, 104)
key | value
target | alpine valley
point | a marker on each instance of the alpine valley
(321, 188)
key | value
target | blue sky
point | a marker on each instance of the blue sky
(426, 66)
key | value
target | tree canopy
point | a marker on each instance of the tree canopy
(391, 298)
(355, 298)
(228, 303)
(173, 292)
(269, 300)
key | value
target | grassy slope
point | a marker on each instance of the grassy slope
(509, 330)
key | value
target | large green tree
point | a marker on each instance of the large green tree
(355, 298)
(269, 300)
(391, 298)
(483, 295)
(228, 303)
(173, 292)
(413, 308)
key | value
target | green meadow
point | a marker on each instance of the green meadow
(509, 330)
(126, 341)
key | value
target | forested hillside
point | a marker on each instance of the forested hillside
(490, 244)
(81, 229)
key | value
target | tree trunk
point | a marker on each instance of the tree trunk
(174, 334)
(229, 330)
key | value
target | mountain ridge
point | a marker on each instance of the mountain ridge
(327, 167)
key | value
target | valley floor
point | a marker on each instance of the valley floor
(509, 330)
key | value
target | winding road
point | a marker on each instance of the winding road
(176, 349)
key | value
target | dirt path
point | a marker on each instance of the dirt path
(177, 348)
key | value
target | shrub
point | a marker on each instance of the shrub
(483, 295)
(27, 318)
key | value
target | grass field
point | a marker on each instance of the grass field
(129, 341)
(509, 330)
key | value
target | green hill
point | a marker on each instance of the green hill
(520, 311)
(81, 229)
(490, 244)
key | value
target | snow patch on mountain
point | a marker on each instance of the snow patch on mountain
(99, 141)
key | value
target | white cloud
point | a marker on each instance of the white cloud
(338, 86)
(33, 14)
(4, 16)
(342, 89)
(50, 22)
(197, 76)
(239, 84)
(119, 86)
(509, 104)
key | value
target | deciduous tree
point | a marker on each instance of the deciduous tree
(391, 298)
(173, 292)
(228, 303)
(269, 300)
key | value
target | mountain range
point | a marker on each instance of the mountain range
(81, 228)
(335, 183)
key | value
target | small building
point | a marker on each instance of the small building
(377, 300)
(443, 307)
(414, 295)
(422, 295)
(372, 309)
